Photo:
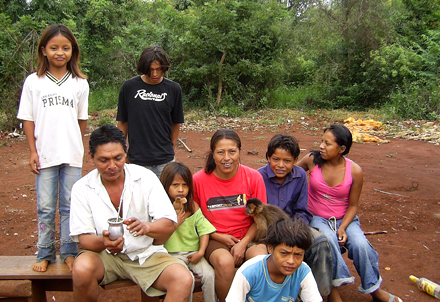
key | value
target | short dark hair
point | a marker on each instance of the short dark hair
(106, 134)
(166, 178)
(342, 136)
(285, 142)
(291, 232)
(219, 135)
(151, 54)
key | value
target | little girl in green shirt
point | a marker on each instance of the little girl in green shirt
(190, 239)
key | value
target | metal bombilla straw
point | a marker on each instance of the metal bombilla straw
(120, 203)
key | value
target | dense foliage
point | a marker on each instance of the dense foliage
(234, 55)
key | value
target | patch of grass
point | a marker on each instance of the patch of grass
(295, 97)
(101, 98)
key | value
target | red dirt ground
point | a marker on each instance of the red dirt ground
(408, 169)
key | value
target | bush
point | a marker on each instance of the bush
(415, 100)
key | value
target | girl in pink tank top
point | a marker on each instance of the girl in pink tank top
(335, 186)
(326, 201)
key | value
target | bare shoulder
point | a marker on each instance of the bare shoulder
(356, 171)
(306, 162)
(196, 206)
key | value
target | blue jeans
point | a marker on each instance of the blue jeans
(318, 257)
(51, 180)
(157, 169)
(365, 258)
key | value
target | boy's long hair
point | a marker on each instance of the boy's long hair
(50, 32)
(167, 177)
(291, 232)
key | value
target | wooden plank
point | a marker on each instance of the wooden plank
(20, 267)
(15, 288)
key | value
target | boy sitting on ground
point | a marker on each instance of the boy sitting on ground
(282, 275)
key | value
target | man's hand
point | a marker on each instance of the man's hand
(113, 246)
(136, 227)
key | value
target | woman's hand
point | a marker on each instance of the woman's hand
(238, 251)
(226, 239)
(342, 237)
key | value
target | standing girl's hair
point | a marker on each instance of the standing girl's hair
(167, 177)
(219, 135)
(50, 32)
(343, 138)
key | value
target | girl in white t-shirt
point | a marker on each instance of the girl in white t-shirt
(53, 107)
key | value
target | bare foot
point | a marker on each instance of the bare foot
(381, 295)
(69, 262)
(40, 266)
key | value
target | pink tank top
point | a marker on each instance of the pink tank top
(325, 201)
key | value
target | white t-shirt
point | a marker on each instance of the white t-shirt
(55, 106)
(143, 198)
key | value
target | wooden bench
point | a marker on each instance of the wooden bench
(19, 283)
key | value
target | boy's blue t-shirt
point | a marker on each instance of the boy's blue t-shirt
(253, 283)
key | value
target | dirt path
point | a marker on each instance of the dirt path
(400, 196)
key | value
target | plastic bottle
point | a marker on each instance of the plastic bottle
(427, 286)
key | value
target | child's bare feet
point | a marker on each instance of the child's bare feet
(69, 262)
(40, 266)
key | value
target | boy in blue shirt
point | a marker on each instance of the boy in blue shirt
(282, 275)
(286, 187)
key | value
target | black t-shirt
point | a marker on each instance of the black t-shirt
(150, 111)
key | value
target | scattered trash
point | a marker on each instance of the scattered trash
(427, 286)
(182, 141)
(362, 130)
(377, 190)
(375, 233)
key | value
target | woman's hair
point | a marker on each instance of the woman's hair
(106, 134)
(291, 232)
(151, 54)
(217, 136)
(342, 136)
(50, 32)
(285, 142)
(166, 178)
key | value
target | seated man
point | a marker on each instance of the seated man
(282, 275)
(286, 187)
(115, 189)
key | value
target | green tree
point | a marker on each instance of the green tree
(227, 53)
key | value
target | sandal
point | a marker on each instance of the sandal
(391, 299)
